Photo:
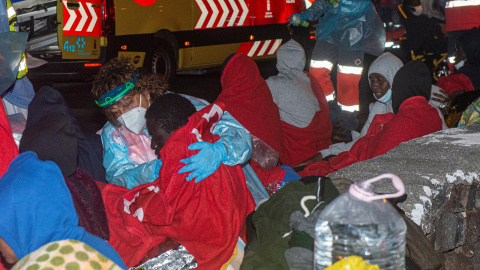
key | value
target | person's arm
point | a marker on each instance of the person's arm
(236, 139)
(119, 169)
(232, 134)
(317, 9)
(233, 147)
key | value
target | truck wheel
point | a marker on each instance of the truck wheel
(163, 62)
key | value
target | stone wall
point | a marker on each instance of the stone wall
(441, 176)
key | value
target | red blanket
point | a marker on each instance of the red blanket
(7, 145)
(455, 82)
(415, 118)
(303, 143)
(206, 217)
(247, 97)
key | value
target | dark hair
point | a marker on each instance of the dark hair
(225, 62)
(119, 71)
(171, 111)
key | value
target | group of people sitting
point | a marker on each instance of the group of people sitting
(176, 168)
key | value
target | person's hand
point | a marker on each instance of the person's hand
(441, 97)
(205, 162)
(301, 16)
(315, 158)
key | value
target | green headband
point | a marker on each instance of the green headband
(116, 94)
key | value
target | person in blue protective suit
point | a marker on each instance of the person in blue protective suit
(345, 31)
(124, 95)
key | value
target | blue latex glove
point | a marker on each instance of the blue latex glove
(305, 16)
(206, 161)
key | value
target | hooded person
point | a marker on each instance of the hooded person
(306, 125)
(53, 138)
(380, 74)
(412, 117)
(89, 158)
(467, 62)
(37, 209)
(247, 97)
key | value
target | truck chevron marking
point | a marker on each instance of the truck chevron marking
(83, 17)
(218, 11)
(214, 15)
(225, 13)
(84, 21)
(71, 19)
(260, 47)
(234, 14)
(204, 15)
(244, 14)
(94, 17)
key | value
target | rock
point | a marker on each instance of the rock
(428, 166)
(455, 260)
(449, 231)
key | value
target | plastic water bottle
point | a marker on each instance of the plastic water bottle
(362, 223)
(296, 20)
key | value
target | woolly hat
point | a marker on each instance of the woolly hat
(386, 65)
(414, 79)
(53, 138)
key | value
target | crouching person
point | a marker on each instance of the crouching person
(39, 225)
(206, 217)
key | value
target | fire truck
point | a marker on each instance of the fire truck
(164, 36)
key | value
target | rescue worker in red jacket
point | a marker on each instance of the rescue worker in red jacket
(345, 31)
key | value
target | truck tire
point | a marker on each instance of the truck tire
(163, 62)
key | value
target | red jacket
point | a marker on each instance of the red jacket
(9, 149)
(206, 217)
(303, 143)
(455, 82)
(415, 118)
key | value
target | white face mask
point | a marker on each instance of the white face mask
(459, 64)
(418, 11)
(134, 120)
(385, 98)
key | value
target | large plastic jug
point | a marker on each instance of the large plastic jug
(360, 222)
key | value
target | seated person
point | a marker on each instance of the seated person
(37, 210)
(471, 114)
(306, 125)
(413, 117)
(380, 76)
(90, 151)
(53, 138)
(124, 95)
(467, 63)
(247, 97)
(207, 217)
(425, 34)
